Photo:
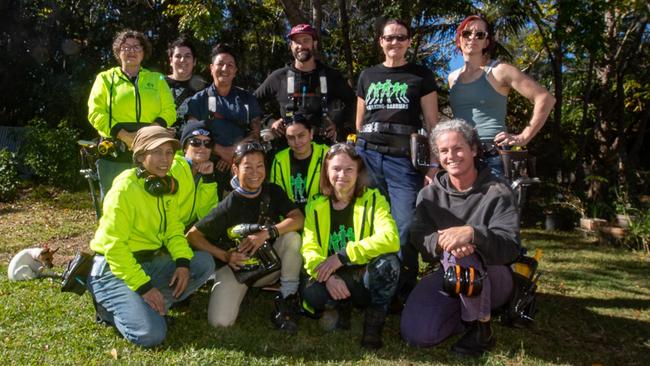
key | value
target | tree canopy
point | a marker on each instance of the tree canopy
(592, 55)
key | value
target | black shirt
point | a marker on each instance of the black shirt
(236, 209)
(392, 95)
(307, 92)
(299, 171)
(341, 228)
(183, 90)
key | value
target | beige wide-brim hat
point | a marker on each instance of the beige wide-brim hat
(150, 137)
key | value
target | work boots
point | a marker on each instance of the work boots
(373, 325)
(477, 340)
(285, 315)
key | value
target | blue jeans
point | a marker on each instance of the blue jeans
(127, 310)
(496, 165)
(400, 183)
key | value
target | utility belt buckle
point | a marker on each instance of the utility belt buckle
(388, 127)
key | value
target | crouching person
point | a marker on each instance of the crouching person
(467, 217)
(350, 246)
(222, 234)
(143, 263)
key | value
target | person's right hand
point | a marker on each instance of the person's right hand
(235, 259)
(156, 300)
(206, 167)
(278, 128)
(337, 288)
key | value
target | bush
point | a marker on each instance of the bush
(52, 154)
(638, 235)
(9, 179)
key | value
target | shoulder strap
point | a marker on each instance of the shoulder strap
(212, 100)
(265, 208)
(490, 66)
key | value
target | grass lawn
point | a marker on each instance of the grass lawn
(594, 308)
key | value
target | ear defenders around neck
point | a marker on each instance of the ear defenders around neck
(158, 186)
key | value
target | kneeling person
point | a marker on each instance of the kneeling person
(296, 169)
(252, 201)
(143, 263)
(350, 246)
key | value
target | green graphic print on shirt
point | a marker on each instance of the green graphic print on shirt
(298, 186)
(387, 95)
(339, 239)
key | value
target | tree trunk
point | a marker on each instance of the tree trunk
(347, 46)
(292, 10)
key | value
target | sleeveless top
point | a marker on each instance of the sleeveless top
(480, 105)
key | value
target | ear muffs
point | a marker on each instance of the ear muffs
(158, 186)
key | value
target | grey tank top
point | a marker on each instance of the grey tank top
(480, 105)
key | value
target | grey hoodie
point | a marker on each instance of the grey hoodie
(489, 207)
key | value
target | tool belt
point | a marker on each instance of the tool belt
(384, 149)
(387, 127)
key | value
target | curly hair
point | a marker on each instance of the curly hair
(122, 36)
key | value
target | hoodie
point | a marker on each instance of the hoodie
(489, 207)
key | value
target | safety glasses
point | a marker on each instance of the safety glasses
(245, 148)
(477, 35)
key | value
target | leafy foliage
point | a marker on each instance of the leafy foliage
(9, 179)
(52, 154)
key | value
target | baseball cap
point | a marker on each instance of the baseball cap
(302, 29)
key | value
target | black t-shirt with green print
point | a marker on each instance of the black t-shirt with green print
(341, 229)
(299, 171)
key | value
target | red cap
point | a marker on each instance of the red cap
(302, 29)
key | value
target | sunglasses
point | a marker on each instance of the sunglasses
(478, 34)
(199, 143)
(247, 147)
(396, 37)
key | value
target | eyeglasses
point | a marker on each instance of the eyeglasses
(198, 142)
(136, 48)
(477, 34)
(395, 37)
(245, 148)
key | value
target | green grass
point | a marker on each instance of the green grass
(594, 308)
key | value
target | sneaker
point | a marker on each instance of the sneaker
(478, 339)
(284, 317)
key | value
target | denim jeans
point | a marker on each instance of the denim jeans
(127, 310)
(371, 285)
(400, 183)
(495, 164)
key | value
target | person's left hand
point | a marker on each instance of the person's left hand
(455, 237)
(179, 281)
(463, 251)
(251, 243)
(327, 267)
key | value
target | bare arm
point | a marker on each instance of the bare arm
(429, 104)
(542, 100)
(256, 126)
(361, 111)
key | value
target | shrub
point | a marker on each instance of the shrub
(638, 235)
(9, 179)
(52, 154)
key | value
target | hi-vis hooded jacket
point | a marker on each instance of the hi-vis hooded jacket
(134, 220)
(281, 171)
(375, 232)
(129, 104)
(196, 196)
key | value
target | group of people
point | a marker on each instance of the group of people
(347, 222)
